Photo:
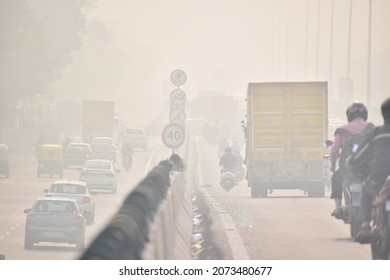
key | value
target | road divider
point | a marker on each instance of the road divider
(154, 221)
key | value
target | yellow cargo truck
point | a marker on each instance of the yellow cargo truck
(287, 125)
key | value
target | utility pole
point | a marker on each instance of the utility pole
(331, 47)
(318, 36)
(349, 39)
(306, 37)
(368, 90)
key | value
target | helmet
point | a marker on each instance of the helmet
(357, 110)
(228, 150)
(385, 108)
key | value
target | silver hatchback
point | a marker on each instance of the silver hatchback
(55, 219)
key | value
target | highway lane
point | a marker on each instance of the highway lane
(20, 190)
(285, 226)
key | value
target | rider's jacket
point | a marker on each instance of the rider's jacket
(355, 126)
(228, 161)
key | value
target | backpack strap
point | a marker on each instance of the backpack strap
(368, 128)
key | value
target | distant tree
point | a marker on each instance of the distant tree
(100, 62)
(37, 40)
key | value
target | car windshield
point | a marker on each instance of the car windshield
(98, 165)
(68, 188)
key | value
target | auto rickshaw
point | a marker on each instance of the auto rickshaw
(50, 160)
(4, 165)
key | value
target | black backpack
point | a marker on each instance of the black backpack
(352, 141)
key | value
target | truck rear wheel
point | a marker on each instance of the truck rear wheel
(259, 190)
(263, 192)
(316, 190)
(254, 193)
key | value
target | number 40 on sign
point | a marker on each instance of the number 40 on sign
(173, 136)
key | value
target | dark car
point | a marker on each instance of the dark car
(54, 219)
(77, 154)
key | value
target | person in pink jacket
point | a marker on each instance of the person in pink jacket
(357, 115)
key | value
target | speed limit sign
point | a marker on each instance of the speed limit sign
(173, 136)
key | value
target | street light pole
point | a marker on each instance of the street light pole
(369, 55)
(318, 36)
(349, 38)
(331, 47)
(306, 36)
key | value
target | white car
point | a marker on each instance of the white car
(77, 190)
(99, 174)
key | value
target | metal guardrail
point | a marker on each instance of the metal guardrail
(150, 205)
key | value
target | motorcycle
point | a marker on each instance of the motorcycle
(355, 218)
(380, 242)
(127, 162)
(239, 173)
(350, 213)
(228, 180)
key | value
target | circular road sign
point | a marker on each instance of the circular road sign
(173, 136)
(177, 116)
(178, 77)
(178, 97)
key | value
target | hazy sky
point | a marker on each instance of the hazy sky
(132, 46)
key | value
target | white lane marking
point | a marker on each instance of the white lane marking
(237, 247)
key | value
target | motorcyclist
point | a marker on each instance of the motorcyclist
(228, 161)
(357, 115)
(127, 150)
(376, 152)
